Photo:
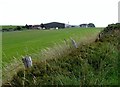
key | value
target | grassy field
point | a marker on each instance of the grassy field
(20, 43)
(95, 63)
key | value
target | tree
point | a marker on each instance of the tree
(42, 25)
(18, 28)
(26, 26)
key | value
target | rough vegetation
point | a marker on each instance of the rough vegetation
(90, 64)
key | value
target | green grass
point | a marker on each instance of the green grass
(91, 64)
(94, 62)
(28, 42)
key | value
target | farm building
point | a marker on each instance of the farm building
(36, 26)
(54, 25)
(91, 25)
(87, 25)
(84, 25)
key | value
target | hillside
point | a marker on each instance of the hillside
(93, 63)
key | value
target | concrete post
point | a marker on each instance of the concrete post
(119, 12)
(74, 43)
(27, 61)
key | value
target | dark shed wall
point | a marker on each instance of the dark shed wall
(54, 25)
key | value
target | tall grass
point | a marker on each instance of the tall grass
(57, 51)
(94, 63)
(88, 65)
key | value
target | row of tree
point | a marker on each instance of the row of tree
(17, 28)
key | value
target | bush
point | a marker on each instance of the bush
(18, 28)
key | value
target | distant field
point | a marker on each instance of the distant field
(28, 42)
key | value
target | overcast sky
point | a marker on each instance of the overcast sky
(21, 12)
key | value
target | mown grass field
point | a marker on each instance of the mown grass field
(15, 44)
